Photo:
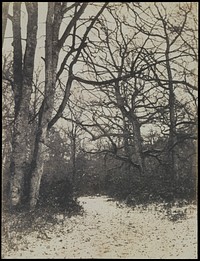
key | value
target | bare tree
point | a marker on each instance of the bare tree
(133, 68)
(52, 50)
(170, 74)
(22, 87)
(23, 82)
(142, 76)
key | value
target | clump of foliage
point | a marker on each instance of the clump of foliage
(57, 194)
(148, 189)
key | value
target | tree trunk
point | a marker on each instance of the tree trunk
(136, 155)
(172, 128)
(51, 60)
(18, 138)
(5, 8)
(37, 166)
(127, 169)
(137, 141)
(6, 151)
(22, 94)
(18, 158)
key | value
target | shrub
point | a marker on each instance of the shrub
(57, 193)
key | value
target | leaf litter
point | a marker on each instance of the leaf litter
(107, 229)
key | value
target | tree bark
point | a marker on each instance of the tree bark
(51, 60)
(5, 8)
(138, 144)
(126, 147)
(172, 129)
(136, 154)
(22, 93)
(18, 138)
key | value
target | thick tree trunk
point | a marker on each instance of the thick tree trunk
(126, 148)
(18, 138)
(6, 143)
(138, 144)
(6, 151)
(22, 94)
(51, 60)
(136, 154)
(18, 158)
(37, 166)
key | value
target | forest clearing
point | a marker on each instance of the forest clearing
(105, 230)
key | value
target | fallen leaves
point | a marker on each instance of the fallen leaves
(106, 231)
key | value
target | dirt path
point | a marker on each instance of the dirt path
(107, 231)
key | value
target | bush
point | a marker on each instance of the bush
(58, 193)
(149, 189)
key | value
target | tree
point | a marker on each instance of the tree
(132, 74)
(22, 87)
(171, 73)
(139, 79)
(7, 124)
(52, 50)
(23, 67)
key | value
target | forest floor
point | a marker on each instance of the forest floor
(107, 229)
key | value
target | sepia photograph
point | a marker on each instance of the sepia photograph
(99, 130)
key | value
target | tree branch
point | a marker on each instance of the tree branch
(70, 25)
